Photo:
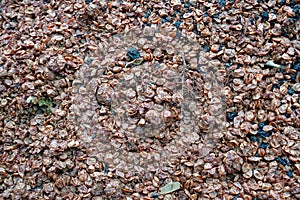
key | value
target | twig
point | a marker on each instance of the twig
(183, 73)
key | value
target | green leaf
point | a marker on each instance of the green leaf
(170, 187)
(47, 103)
(44, 102)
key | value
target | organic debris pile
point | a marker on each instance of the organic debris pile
(68, 97)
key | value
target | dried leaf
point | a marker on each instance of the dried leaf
(57, 38)
(170, 187)
(138, 61)
(135, 62)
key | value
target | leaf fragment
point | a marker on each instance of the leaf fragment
(271, 63)
(170, 187)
